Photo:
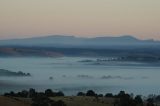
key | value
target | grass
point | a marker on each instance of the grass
(6, 101)
(69, 100)
(85, 101)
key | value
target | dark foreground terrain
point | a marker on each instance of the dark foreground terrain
(90, 98)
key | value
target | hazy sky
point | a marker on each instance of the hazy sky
(26, 18)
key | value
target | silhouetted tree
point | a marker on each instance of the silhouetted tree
(81, 94)
(23, 94)
(150, 102)
(49, 92)
(121, 93)
(125, 99)
(10, 94)
(138, 100)
(40, 100)
(109, 95)
(157, 98)
(32, 93)
(90, 93)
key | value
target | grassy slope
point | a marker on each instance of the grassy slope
(5, 101)
(70, 101)
(85, 101)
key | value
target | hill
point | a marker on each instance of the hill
(79, 42)
(58, 46)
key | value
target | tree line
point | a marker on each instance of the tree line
(120, 99)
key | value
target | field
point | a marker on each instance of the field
(69, 100)
(6, 101)
(85, 101)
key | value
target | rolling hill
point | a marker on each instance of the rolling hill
(61, 41)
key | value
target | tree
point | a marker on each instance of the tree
(125, 99)
(121, 93)
(138, 100)
(23, 93)
(90, 93)
(32, 93)
(150, 102)
(40, 100)
(109, 95)
(81, 94)
(48, 92)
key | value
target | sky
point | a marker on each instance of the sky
(83, 18)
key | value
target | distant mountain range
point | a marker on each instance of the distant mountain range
(58, 46)
(79, 42)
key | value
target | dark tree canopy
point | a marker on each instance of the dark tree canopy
(90, 93)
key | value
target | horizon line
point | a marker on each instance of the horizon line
(78, 36)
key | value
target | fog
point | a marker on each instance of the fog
(70, 76)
